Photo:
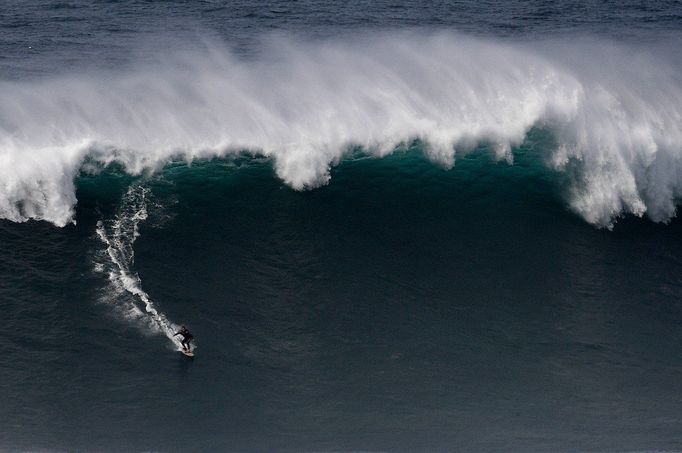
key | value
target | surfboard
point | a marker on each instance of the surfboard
(187, 353)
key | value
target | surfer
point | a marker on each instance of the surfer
(186, 337)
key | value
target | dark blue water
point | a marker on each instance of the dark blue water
(349, 288)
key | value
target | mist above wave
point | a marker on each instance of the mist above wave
(615, 112)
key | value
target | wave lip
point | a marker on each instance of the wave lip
(614, 110)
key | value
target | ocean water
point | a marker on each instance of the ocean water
(390, 226)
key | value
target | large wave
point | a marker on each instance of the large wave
(615, 112)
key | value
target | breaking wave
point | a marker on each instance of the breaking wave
(614, 111)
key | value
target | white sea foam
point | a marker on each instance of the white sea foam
(119, 235)
(616, 112)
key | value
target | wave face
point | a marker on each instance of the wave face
(615, 112)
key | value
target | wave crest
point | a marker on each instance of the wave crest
(614, 110)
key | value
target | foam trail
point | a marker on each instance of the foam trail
(615, 111)
(119, 235)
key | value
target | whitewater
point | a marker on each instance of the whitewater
(614, 112)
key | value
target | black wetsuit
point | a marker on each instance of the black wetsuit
(186, 338)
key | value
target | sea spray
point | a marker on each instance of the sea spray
(615, 111)
(119, 235)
